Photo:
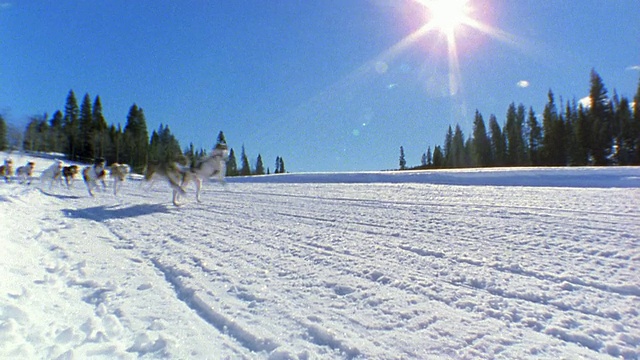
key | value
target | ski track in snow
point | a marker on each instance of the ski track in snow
(320, 270)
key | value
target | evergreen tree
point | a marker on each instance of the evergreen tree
(101, 135)
(259, 166)
(71, 126)
(232, 164)
(625, 138)
(448, 143)
(136, 139)
(458, 149)
(164, 147)
(245, 168)
(574, 153)
(4, 142)
(277, 168)
(429, 157)
(438, 157)
(513, 133)
(57, 138)
(498, 144)
(86, 130)
(221, 139)
(403, 162)
(553, 140)
(281, 168)
(582, 134)
(534, 138)
(36, 136)
(115, 145)
(481, 143)
(600, 115)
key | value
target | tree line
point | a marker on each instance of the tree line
(604, 131)
(81, 133)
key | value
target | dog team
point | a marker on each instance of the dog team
(58, 171)
(177, 175)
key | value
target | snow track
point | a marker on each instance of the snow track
(345, 271)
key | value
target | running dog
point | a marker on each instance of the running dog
(179, 177)
(52, 173)
(93, 174)
(172, 172)
(214, 165)
(118, 172)
(25, 173)
(6, 170)
(69, 173)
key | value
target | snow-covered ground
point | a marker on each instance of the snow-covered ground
(508, 264)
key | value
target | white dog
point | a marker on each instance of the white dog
(118, 172)
(179, 177)
(213, 165)
(52, 173)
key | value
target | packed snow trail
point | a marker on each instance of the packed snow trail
(305, 271)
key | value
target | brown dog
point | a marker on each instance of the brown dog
(69, 173)
(6, 170)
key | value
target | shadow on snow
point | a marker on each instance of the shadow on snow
(103, 212)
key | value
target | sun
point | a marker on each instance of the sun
(447, 15)
(448, 18)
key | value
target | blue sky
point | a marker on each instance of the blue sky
(329, 85)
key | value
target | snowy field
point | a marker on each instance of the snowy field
(491, 264)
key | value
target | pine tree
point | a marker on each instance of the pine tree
(438, 157)
(498, 144)
(164, 147)
(221, 139)
(600, 115)
(458, 149)
(534, 138)
(448, 143)
(4, 142)
(481, 152)
(245, 168)
(403, 162)
(513, 135)
(71, 126)
(101, 135)
(429, 157)
(625, 137)
(582, 134)
(115, 145)
(136, 139)
(86, 130)
(281, 168)
(232, 164)
(57, 138)
(259, 166)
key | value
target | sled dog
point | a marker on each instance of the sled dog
(93, 174)
(69, 173)
(6, 170)
(25, 173)
(118, 172)
(178, 176)
(52, 173)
